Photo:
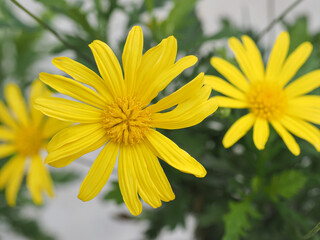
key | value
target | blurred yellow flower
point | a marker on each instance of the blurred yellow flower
(268, 94)
(25, 131)
(119, 113)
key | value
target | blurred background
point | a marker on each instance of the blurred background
(200, 208)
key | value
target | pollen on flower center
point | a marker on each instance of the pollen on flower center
(28, 141)
(126, 121)
(267, 100)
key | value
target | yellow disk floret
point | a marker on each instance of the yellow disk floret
(267, 100)
(125, 121)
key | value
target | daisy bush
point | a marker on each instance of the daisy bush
(220, 128)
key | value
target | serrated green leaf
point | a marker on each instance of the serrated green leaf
(237, 220)
(286, 184)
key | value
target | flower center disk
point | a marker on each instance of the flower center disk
(267, 100)
(29, 141)
(126, 121)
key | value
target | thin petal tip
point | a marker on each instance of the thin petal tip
(226, 144)
(57, 59)
(201, 173)
(82, 197)
(213, 60)
(136, 28)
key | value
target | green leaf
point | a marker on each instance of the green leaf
(63, 176)
(212, 214)
(170, 215)
(114, 194)
(286, 184)
(298, 32)
(255, 184)
(237, 220)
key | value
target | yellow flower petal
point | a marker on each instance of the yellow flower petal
(184, 114)
(238, 130)
(260, 133)
(308, 101)
(303, 130)
(83, 74)
(7, 150)
(146, 189)
(67, 110)
(109, 67)
(149, 65)
(16, 102)
(72, 134)
(157, 175)
(227, 102)
(277, 56)
(6, 134)
(304, 84)
(154, 61)
(73, 89)
(14, 183)
(99, 172)
(47, 180)
(169, 53)
(286, 137)
(168, 151)
(131, 58)
(65, 161)
(6, 171)
(38, 180)
(51, 126)
(73, 147)
(179, 96)
(38, 89)
(254, 56)
(243, 59)
(223, 87)
(231, 73)
(294, 62)
(164, 78)
(183, 117)
(309, 114)
(128, 181)
(6, 118)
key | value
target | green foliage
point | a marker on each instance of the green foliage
(170, 216)
(286, 184)
(20, 224)
(19, 48)
(114, 194)
(62, 177)
(237, 220)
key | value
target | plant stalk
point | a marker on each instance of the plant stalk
(50, 29)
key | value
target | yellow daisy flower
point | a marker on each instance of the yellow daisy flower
(118, 112)
(268, 94)
(25, 131)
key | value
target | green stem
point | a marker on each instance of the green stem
(279, 18)
(55, 33)
(312, 232)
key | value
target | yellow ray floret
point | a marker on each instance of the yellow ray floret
(23, 133)
(268, 94)
(118, 113)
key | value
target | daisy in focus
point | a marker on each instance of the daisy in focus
(24, 133)
(119, 113)
(268, 93)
